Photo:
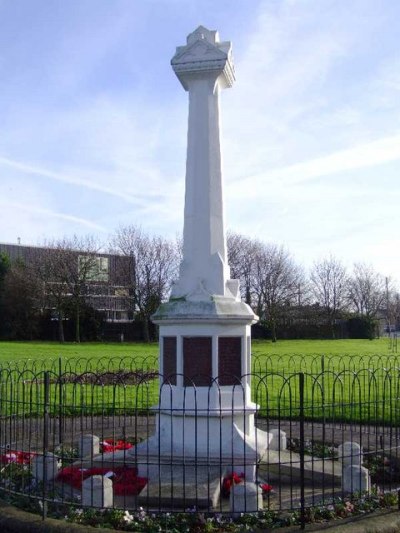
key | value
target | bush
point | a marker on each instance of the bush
(361, 327)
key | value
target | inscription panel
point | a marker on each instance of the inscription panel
(229, 360)
(169, 359)
(197, 361)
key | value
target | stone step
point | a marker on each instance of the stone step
(284, 463)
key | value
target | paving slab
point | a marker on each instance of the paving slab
(183, 487)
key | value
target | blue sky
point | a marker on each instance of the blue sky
(93, 121)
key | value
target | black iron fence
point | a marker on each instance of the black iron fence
(313, 431)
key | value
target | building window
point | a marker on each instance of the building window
(97, 267)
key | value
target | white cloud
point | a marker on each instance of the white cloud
(370, 154)
(17, 207)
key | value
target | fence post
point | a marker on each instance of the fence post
(46, 400)
(60, 403)
(302, 475)
(1, 391)
(323, 397)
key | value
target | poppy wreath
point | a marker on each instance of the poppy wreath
(20, 458)
(229, 481)
(266, 488)
(125, 480)
(110, 445)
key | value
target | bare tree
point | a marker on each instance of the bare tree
(366, 290)
(328, 280)
(392, 304)
(65, 267)
(394, 310)
(276, 283)
(154, 264)
(243, 254)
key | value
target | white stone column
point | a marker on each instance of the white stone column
(203, 66)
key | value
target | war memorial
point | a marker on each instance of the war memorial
(211, 429)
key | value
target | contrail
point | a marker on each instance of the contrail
(47, 212)
(79, 182)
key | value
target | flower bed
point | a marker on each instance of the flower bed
(126, 482)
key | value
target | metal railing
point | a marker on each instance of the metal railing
(312, 405)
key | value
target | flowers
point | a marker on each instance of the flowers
(266, 488)
(72, 475)
(229, 481)
(349, 507)
(18, 457)
(234, 479)
(110, 445)
(125, 480)
(127, 518)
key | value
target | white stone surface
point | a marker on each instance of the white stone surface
(245, 497)
(356, 479)
(45, 467)
(204, 66)
(88, 445)
(278, 439)
(204, 424)
(97, 491)
(350, 454)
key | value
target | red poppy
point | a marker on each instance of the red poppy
(266, 488)
(72, 475)
(14, 456)
(125, 480)
(110, 445)
(228, 481)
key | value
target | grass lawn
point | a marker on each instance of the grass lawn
(353, 375)
(13, 351)
(326, 347)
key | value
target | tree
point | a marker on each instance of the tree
(328, 281)
(270, 281)
(21, 295)
(366, 290)
(64, 268)
(392, 304)
(243, 254)
(394, 310)
(154, 265)
(275, 284)
(4, 268)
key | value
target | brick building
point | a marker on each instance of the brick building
(107, 285)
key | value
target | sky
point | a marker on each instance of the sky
(93, 122)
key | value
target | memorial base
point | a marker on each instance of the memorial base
(196, 443)
(189, 455)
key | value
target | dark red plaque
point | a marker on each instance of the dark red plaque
(229, 360)
(169, 359)
(197, 361)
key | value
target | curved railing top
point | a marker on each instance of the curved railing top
(261, 363)
(81, 365)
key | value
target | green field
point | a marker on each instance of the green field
(343, 379)
(11, 351)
